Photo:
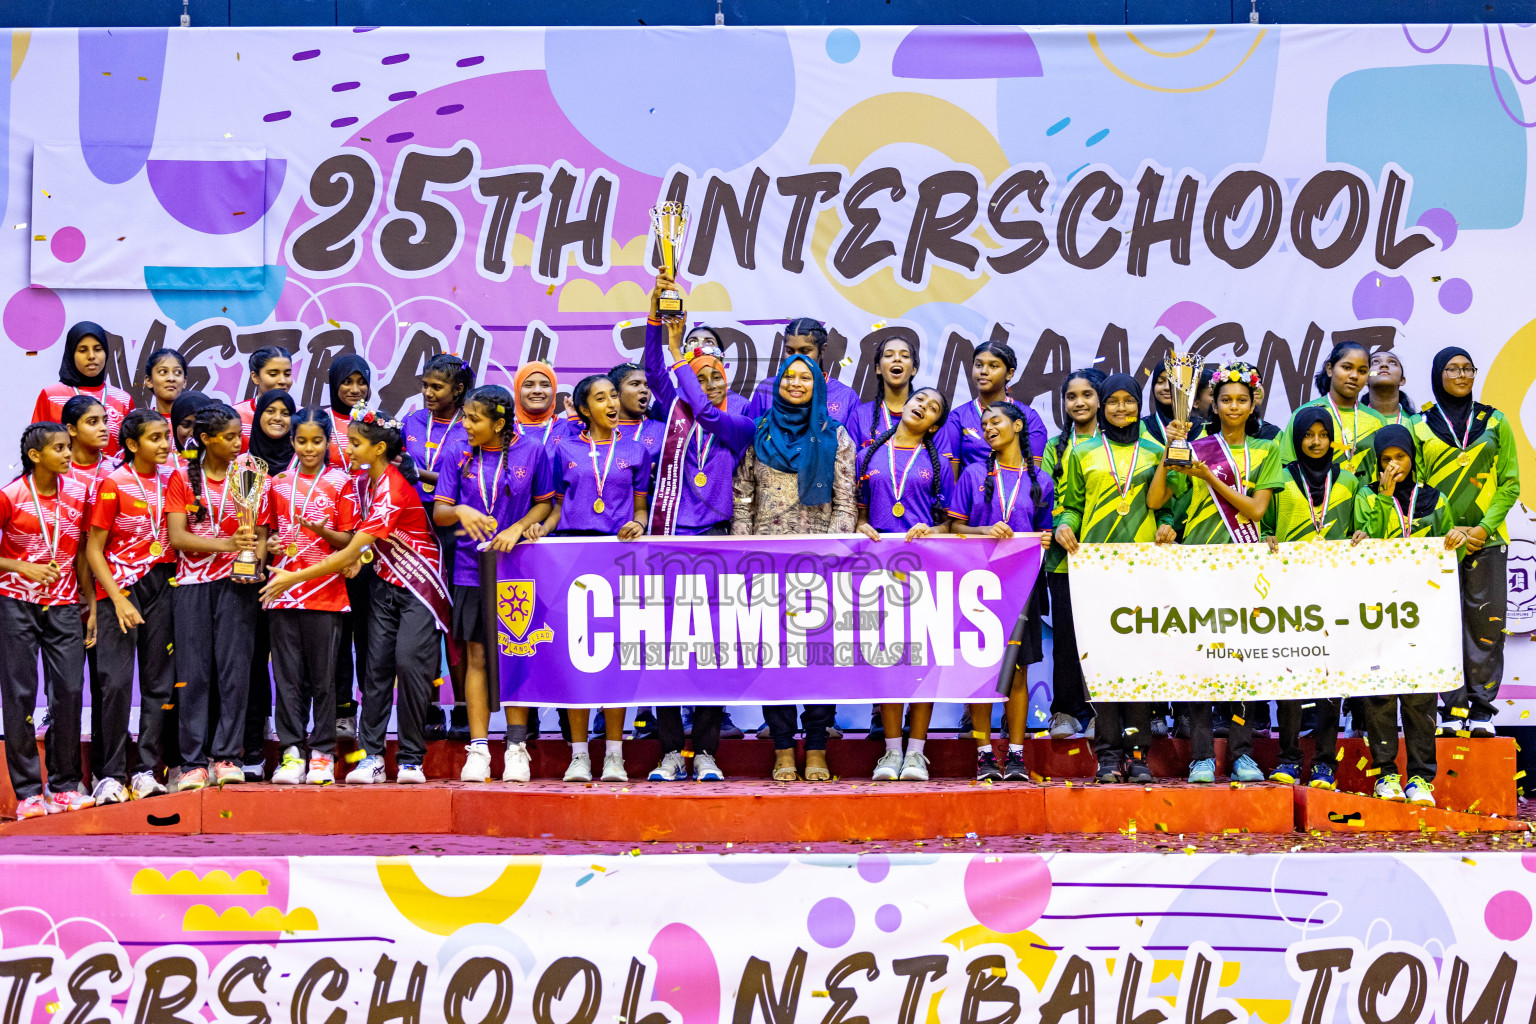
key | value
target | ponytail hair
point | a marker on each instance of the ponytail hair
(264, 355)
(459, 374)
(936, 487)
(810, 328)
(35, 438)
(210, 419)
(320, 418)
(874, 409)
(584, 388)
(1325, 375)
(134, 424)
(76, 408)
(1002, 350)
(621, 373)
(1014, 413)
(1093, 375)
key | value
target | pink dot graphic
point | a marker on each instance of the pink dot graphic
(68, 244)
(1508, 915)
(1007, 892)
(34, 318)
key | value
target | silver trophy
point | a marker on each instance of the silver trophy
(246, 480)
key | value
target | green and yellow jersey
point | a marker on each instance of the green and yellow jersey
(1289, 516)
(1090, 501)
(1195, 514)
(1480, 484)
(1349, 426)
(1378, 516)
(1056, 555)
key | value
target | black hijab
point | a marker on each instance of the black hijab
(342, 368)
(187, 403)
(1131, 432)
(1311, 472)
(69, 373)
(1449, 417)
(276, 452)
(1395, 435)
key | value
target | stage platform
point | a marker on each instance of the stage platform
(1480, 796)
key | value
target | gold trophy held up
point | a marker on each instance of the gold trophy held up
(670, 219)
(1183, 380)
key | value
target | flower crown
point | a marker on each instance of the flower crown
(704, 350)
(363, 414)
(1238, 373)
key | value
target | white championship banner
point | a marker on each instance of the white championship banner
(1237, 622)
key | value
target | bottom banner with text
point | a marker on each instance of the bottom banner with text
(1240, 622)
(972, 938)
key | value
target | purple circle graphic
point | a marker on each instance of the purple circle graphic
(873, 867)
(34, 318)
(1508, 915)
(830, 922)
(1455, 295)
(888, 918)
(1379, 297)
(67, 245)
(748, 872)
(1441, 223)
(1007, 892)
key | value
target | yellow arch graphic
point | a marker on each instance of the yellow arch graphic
(1505, 386)
(884, 120)
(1093, 41)
(1175, 53)
(443, 915)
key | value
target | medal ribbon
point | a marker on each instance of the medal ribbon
(602, 478)
(300, 512)
(1354, 422)
(501, 464)
(702, 443)
(1242, 478)
(159, 504)
(1405, 522)
(1319, 516)
(42, 520)
(1018, 481)
(434, 450)
(1130, 473)
(900, 485)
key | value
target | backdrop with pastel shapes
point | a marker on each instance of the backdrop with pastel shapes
(1091, 195)
(1346, 938)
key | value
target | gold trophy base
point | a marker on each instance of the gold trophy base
(245, 571)
(669, 303)
(1179, 454)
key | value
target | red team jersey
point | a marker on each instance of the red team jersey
(131, 508)
(330, 499)
(91, 477)
(196, 567)
(393, 509)
(50, 406)
(247, 411)
(22, 538)
(339, 444)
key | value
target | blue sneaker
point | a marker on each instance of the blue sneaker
(1322, 777)
(1245, 770)
(1203, 770)
(1286, 773)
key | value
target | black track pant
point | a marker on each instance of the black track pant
(1069, 693)
(55, 632)
(403, 641)
(304, 646)
(1123, 727)
(781, 723)
(215, 633)
(1484, 605)
(1418, 733)
(706, 729)
(148, 647)
(258, 700)
(354, 642)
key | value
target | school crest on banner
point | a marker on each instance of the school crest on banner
(514, 610)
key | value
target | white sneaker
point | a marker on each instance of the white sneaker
(915, 767)
(671, 768)
(1482, 728)
(143, 786)
(706, 770)
(290, 772)
(888, 767)
(580, 769)
(1088, 729)
(346, 728)
(108, 791)
(1390, 787)
(1416, 792)
(1063, 726)
(613, 768)
(478, 767)
(322, 769)
(368, 771)
(517, 767)
(410, 775)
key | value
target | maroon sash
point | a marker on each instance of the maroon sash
(423, 581)
(1213, 453)
(667, 488)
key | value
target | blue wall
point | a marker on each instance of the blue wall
(67, 13)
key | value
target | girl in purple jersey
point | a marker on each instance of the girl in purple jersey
(904, 487)
(896, 363)
(992, 367)
(1006, 495)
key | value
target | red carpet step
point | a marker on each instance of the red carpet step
(1317, 810)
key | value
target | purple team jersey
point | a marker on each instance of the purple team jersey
(877, 491)
(505, 489)
(576, 472)
(969, 446)
(426, 441)
(969, 504)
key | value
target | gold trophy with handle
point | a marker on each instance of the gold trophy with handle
(246, 481)
(1183, 382)
(670, 219)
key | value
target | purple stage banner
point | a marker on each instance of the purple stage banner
(758, 620)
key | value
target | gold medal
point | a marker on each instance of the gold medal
(366, 556)
(1123, 509)
(699, 479)
(598, 506)
(291, 550)
(898, 510)
(1464, 459)
(155, 550)
(426, 487)
(53, 565)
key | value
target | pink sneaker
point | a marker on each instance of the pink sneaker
(192, 779)
(31, 807)
(227, 773)
(69, 800)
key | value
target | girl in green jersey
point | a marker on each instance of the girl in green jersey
(1341, 381)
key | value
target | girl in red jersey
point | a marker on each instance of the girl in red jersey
(42, 513)
(165, 374)
(313, 513)
(350, 378)
(83, 371)
(215, 616)
(409, 606)
(129, 551)
(271, 370)
(86, 420)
